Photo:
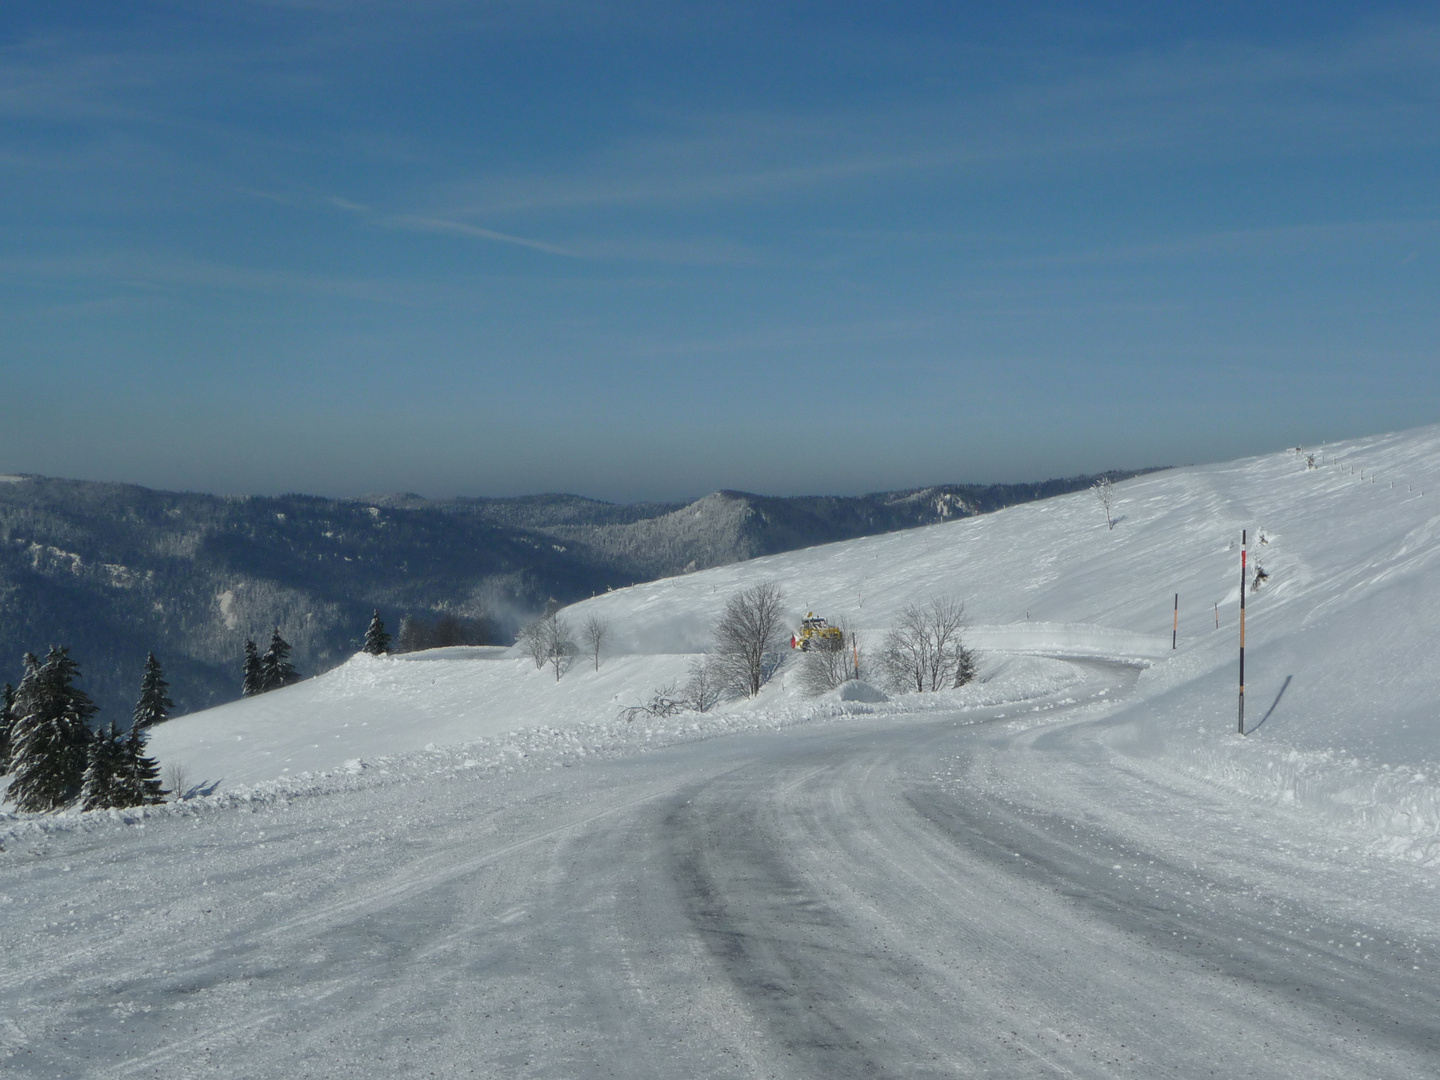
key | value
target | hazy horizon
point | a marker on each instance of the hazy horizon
(680, 499)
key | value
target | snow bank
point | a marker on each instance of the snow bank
(1068, 639)
(221, 775)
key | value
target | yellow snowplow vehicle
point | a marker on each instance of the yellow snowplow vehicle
(816, 633)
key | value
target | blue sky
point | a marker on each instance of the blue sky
(645, 250)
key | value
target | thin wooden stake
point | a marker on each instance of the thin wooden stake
(1242, 631)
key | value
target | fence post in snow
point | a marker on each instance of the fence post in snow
(1242, 632)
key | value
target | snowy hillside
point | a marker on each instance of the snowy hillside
(451, 864)
(1342, 636)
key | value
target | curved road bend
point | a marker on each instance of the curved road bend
(951, 896)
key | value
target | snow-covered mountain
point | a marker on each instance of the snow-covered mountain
(1342, 635)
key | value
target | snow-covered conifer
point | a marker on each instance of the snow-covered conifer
(275, 667)
(7, 717)
(154, 705)
(50, 735)
(252, 684)
(104, 784)
(141, 773)
(377, 641)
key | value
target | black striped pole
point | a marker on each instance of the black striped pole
(1175, 627)
(1242, 631)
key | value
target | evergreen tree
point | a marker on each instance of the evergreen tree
(154, 705)
(141, 773)
(51, 734)
(414, 635)
(275, 667)
(377, 641)
(104, 785)
(253, 683)
(7, 718)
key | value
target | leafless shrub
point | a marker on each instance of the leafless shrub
(663, 702)
(176, 780)
(925, 650)
(748, 638)
(1105, 494)
(702, 685)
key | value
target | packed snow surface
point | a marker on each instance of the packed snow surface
(453, 863)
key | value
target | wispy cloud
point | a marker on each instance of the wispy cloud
(677, 251)
(460, 228)
(420, 223)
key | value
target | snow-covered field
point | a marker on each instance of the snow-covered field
(455, 849)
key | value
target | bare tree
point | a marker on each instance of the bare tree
(702, 685)
(534, 639)
(560, 650)
(593, 633)
(748, 646)
(924, 650)
(1105, 493)
(177, 781)
(829, 661)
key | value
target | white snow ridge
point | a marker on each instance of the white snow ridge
(451, 864)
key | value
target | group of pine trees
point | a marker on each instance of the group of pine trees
(446, 630)
(55, 758)
(270, 671)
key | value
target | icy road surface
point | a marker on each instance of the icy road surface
(981, 894)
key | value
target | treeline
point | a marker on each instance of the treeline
(443, 631)
(53, 755)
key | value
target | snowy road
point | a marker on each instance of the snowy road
(925, 897)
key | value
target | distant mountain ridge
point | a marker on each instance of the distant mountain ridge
(649, 540)
(114, 570)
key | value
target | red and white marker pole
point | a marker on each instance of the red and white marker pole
(1175, 626)
(1242, 631)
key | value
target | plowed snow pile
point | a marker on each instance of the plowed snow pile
(1342, 665)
